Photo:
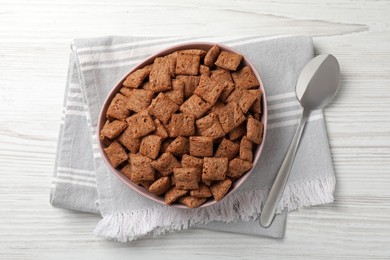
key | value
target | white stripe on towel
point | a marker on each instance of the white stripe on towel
(284, 114)
(283, 105)
(73, 182)
(281, 96)
(293, 121)
(65, 176)
(74, 170)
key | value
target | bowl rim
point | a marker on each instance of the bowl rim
(115, 89)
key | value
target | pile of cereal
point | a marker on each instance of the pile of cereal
(185, 126)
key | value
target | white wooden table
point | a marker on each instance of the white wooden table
(34, 49)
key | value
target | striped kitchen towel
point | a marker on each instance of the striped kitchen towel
(83, 182)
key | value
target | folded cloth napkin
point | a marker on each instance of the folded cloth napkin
(83, 182)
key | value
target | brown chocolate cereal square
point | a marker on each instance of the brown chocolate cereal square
(228, 60)
(195, 106)
(117, 108)
(204, 70)
(140, 124)
(160, 129)
(135, 79)
(230, 117)
(173, 194)
(227, 149)
(139, 99)
(179, 146)
(244, 98)
(163, 108)
(209, 90)
(201, 146)
(187, 178)
(214, 169)
(202, 192)
(150, 146)
(190, 84)
(212, 55)
(210, 126)
(160, 186)
(247, 100)
(246, 147)
(245, 78)
(171, 60)
(177, 92)
(191, 161)
(182, 124)
(165, 164)
(116, 154)
(127, 140)
(237, 132)
(237, 167)
(187, 64)
(254, 130)
(141, 168)
(192, 202)
(113, 129)
(160, 75)
(220, 188)
(198, 52)
(223, 75)
(256, 106)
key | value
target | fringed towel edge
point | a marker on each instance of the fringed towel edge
(128, 226)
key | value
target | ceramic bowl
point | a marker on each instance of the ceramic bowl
(194, 45)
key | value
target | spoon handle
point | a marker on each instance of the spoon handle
(271, 203)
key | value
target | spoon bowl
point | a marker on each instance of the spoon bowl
(318, 82)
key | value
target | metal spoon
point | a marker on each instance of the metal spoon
(316, 87)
